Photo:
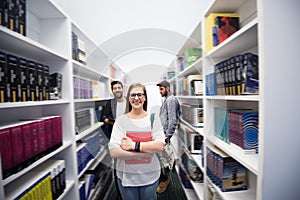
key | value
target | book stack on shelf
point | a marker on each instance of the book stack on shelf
(84, 119)
(238, 127)
(13, 15)
(237, 75)
(89, 147)
(24, 142)
(191, 55)
(25, 80)
(224, 171)
(193, 114)
(47, 181)
(191, 85)
(218, 27)
(78, 49)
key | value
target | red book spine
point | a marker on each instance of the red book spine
(59, 130)
(6, 152)
(35, 141)
(42, 136)
(17, 146)
(48, 133)
(27, 142)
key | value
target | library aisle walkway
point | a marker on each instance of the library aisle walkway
(173, 192)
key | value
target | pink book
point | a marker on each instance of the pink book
(137, 136)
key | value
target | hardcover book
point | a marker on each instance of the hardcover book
(23, 79)
(218, 27)
(40, 81)
(32, 81)
(55, 81)
(4, 86)
(137, 136)
(6, 152)
(14, 79)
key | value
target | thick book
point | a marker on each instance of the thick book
(14, 79)
(32, 80)
(4, 85)
(139, 136)
(6, 152)
(40, 81)
(23, 73)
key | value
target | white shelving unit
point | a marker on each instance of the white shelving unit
(49, 41)
(268, 174)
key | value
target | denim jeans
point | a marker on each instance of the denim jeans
(147, 192)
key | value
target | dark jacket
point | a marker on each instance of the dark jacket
(109, 112)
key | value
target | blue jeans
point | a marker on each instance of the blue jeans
(147, 192)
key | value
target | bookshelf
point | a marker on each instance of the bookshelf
(48, 41)
(277, 112)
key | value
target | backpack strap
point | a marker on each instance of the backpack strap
(152, 119)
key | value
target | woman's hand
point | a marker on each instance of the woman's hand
(127, 144)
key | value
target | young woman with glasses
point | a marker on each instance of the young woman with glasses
(134, 142)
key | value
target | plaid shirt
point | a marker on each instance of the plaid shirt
(169, 115)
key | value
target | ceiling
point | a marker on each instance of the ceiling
(141, 37)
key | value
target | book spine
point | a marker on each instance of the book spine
(23, 79)
(6, 152)
(32, 81)
(18, 147)
(13, 68)
(4, 97)
(27, 142)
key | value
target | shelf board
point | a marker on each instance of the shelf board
(91, 100)
(250, 161)
(82, 70)
(235, 195)
(234, 97)
(89, 130)
(98, 158)
(190, 97)
(239, 42)
(20, 45)
(218, 6)
(13, 177)
(32, 103)
(69, 185)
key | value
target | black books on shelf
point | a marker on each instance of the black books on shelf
(13, 15)
(237, 75)
(4, 85)
(55, 85)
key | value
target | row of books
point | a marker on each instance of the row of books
(224, 171)
(190, 139)
(83, 119)
(25, 80)
(25, 141)
(219, 27)
(13, 15)
(89, 147)
(191, 55)
(88, 89)
(190, 85)
(193, 114)
(47, 181)
(97, 180)
(78, 49)
(191, 167)
(238, 127)
(235, 76)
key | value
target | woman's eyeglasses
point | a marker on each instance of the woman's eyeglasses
(139, 95)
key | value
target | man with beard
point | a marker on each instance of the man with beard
(169, 116)
(114, 107)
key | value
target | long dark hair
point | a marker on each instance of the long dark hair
(128, 105)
